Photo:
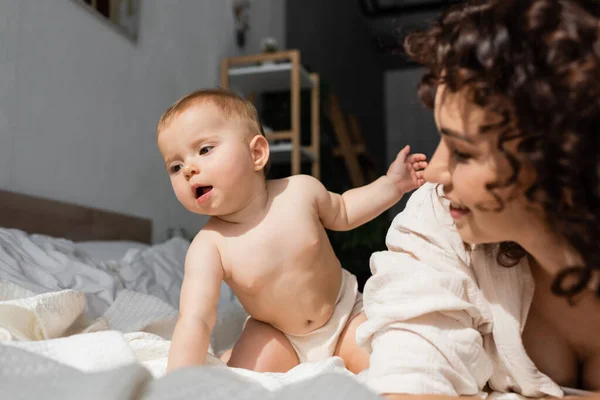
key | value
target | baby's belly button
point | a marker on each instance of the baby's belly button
(300, 326)
(317, 321)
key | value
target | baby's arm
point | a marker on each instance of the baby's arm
(197, 305)
(358, 206)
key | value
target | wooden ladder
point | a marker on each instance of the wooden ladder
(351, 144)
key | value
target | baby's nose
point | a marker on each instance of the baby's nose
(190, 170)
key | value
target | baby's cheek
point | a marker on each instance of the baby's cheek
(230, 166)
(179, 195)
(236, 167)
(181, 192)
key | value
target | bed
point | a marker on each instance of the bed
(88, 306)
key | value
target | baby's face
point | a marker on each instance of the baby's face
(208, 159)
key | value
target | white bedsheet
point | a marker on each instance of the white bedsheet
(69, 324)
(133, 331)
(41, 264)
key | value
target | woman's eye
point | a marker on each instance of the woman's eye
(461, 157)
(175, 168)
(205, 150)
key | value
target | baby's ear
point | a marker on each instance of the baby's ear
(259, 147)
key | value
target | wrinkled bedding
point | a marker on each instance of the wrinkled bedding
(74, 327)
(42, 264)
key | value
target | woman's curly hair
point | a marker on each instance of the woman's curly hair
(537, 64)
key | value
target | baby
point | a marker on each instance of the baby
(266, 239)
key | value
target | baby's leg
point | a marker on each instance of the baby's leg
(355, 357)
(263, 348)
(226, 356)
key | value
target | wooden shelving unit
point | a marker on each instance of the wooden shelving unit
(277, 72)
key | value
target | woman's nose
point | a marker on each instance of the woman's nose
(438, 170)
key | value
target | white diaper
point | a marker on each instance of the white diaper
(320, 343)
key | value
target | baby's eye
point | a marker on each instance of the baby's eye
(205, 149)
(175, 168)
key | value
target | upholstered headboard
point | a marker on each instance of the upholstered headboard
(59, 219)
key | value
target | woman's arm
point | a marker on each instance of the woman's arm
(425, 397)
(438, 397)
(423, 328)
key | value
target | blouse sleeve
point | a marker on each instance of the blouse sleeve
(425, 312)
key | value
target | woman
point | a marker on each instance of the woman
(490, 282)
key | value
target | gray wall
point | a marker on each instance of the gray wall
(335, 41)
(79, 102)
(267, 18)
(408, 121)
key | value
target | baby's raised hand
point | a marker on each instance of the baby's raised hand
(406, 172)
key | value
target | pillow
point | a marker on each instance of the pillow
(112, 250)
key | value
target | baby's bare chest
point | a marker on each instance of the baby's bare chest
(280, 244)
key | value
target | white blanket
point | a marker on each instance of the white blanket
(54, 325)
(43, 264)
(133, 331)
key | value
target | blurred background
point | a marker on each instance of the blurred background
(83, 83)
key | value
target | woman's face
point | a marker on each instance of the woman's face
(465, 161)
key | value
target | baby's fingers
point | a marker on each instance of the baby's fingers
(403, 154)
(419, 165)
(420, 178)
(416, 157)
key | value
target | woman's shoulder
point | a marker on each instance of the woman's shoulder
(427, 204)
(425, 246)
(426, 224)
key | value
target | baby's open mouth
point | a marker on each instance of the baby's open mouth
(202, 190)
